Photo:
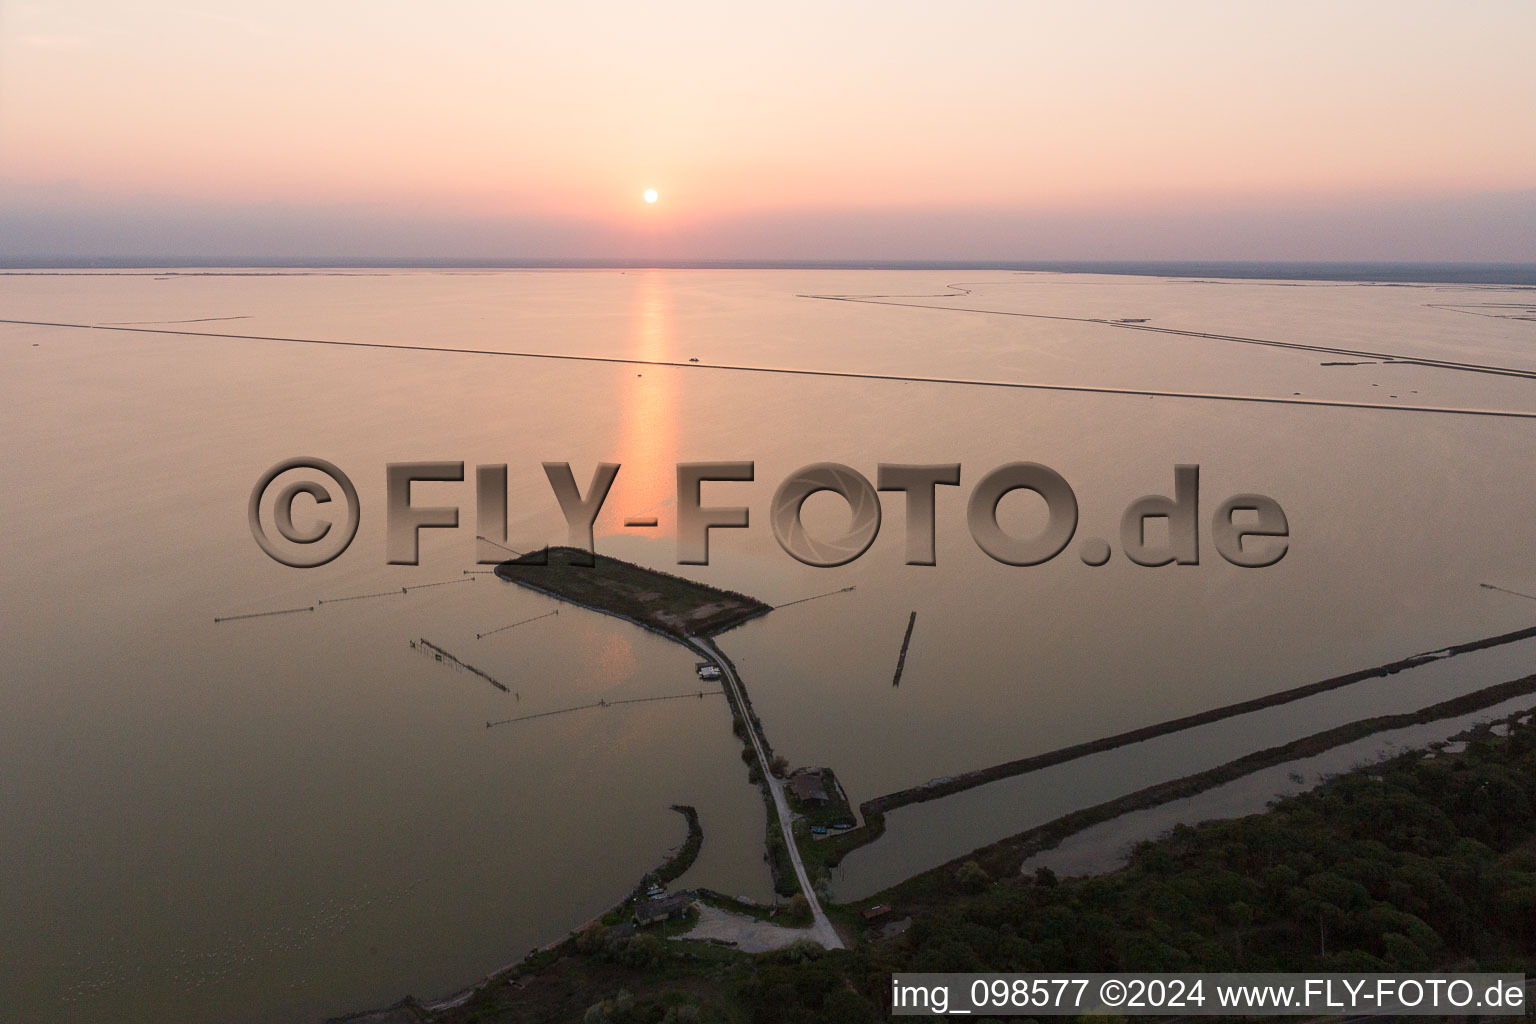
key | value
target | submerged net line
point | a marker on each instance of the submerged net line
(815, 597)
(442, 655)
(1088, 389)
(524, 622)
(1137, 325)
(1506, 590)
(699, 695)
(258, 615)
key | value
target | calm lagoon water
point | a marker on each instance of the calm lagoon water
(281, 818)
(1109, 845)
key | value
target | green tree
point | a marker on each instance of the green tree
(972, 877)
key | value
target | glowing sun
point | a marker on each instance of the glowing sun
(651, 195)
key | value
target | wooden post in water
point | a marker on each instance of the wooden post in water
(901, 662)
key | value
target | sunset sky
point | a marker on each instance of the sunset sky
(892, 130)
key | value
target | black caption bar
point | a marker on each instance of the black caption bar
(1208, 995)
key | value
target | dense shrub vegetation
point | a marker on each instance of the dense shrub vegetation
(1411, 864)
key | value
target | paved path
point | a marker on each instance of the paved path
(821, 929)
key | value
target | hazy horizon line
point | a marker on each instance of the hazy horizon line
(1384, 271)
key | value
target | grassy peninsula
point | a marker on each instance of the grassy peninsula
(647, 597)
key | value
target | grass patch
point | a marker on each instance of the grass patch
(647, 597)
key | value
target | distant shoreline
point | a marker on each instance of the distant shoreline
(1344, 271)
